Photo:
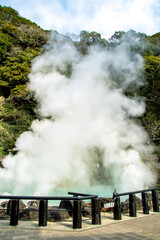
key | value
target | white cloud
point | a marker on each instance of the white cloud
(103, 16)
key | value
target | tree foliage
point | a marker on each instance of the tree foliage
(88, 39)
(10, 15)
(15, 118)
(15, 70)
(136, 41)
(20, 41)
(151, 92)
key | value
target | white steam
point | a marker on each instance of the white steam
(87, 138)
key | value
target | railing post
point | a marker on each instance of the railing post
(77, 215)
(43, 207)
(96, 211)
(14, 212)
(132, 205)
(145, 203)
(117, 209)
(155, 201)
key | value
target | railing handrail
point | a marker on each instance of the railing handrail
(47, 197)
(82, 194)
(13, 208)
(134, 192)
(43, 208)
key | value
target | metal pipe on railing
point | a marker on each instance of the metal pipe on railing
(82, 194)
(37, 197)
(86, 197)
(47, 197)
(134, 192)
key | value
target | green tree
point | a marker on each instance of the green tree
(151, 92)
(136, 41)
(20, 41)
(88, 39)
(154, 43)
(15, 118)
(11, 15)
(15, 70)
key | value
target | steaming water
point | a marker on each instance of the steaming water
(87, 138)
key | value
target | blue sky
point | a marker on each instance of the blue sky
(103, 16)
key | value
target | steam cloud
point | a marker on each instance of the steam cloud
(87, 138)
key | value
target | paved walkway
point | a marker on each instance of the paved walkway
(143, 227)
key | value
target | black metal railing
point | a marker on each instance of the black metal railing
(43, 207)
(95, 206)
(132, 202)
(77, 199)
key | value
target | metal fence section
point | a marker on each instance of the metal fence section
(95, 206)
(132, 202)
(77, 210)
(43, 207)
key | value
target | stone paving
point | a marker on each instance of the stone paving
(142, 227)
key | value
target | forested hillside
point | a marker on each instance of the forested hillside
(21, 40)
